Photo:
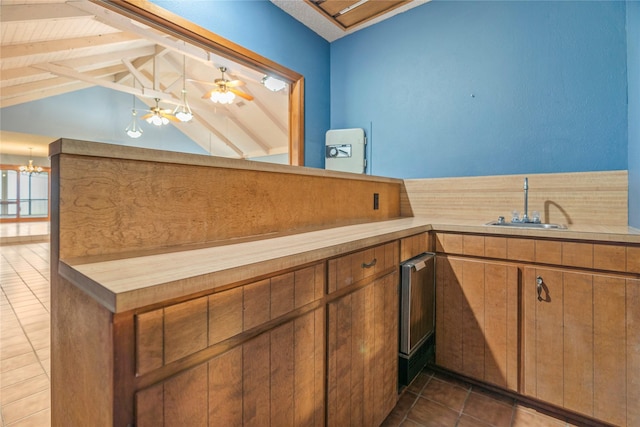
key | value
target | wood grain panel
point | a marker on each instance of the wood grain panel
(370, 380)
(115, 205)
(304, 286)
(225, 389)
(610, 257)
(185, 398)
(282, 375)
(449, 348)
(520, 249)
(633, 259)
(495, 324)
(576, 254)
(79, 323)
(185, 329)
(149, 341)
(255, 381)
(379, 353)
(549, 346)
(473, 245)
(548, 252)
(357, 357)
(343, 361)
(390, 283)
(495, 247)
(304, 399)
(529, 333)
(257, 303)
(413, 246)
(320, 368)
(514, 326)
(150, 406)
(282, 294)
(578, 342)
(225, 315)
(450, 243)
(473, 319)
(609, 356)
(633, 351)
(583, 198)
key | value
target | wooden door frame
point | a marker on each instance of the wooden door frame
(163, 20)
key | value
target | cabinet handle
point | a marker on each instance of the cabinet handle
(371, 264)
(539, 283)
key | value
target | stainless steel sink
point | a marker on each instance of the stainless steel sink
(539, 225)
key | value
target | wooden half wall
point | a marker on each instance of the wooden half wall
(581, 198)
(120, 200)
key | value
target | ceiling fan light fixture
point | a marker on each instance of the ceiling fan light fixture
(273, 84)
(157, 120)
(222, 97)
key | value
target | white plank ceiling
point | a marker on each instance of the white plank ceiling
(52, 47)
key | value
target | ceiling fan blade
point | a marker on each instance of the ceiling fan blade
(235, 83)
(208, 94)
(170, 117)
(241, 94)
(146, 116)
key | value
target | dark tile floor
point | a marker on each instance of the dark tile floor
(434, 399)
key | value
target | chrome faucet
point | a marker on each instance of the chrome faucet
(525, 214)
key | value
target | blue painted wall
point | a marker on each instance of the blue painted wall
(633, 71)
(464, 88)
(262, 27)
(94, 114)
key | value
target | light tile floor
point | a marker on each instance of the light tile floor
(24, 335)
(431, 400)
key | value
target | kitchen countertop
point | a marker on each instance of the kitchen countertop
(126, 284)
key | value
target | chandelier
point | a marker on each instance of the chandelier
(30, 169)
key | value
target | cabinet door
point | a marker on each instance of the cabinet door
(477, 319)
(577, 345)
(362, 351)
(276, 378)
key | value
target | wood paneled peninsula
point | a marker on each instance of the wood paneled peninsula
(190, 290)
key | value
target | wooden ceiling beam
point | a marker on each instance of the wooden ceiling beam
(41, 12)
(44, 93)
(62, 45)
(73, 74)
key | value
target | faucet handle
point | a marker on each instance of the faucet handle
(515, 216)
(500, 220)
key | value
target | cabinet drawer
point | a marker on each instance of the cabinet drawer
(352, 268)
(170, 333)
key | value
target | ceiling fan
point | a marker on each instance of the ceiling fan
(225, 90)
(158, 116)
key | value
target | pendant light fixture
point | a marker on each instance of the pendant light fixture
(183, 111)
(133, 130)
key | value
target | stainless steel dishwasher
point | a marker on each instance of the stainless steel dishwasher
(417, 315)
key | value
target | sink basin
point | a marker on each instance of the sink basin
(539, 225)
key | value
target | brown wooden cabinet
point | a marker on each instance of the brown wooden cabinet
(362, 336)
(581, 338)
(477, 319)
(574, 316)
(362, 371)
(276, 378)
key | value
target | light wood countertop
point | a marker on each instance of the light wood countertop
(127, 284)
(131, 283)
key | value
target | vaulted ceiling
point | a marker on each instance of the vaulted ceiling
(52, 47)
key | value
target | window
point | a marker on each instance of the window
(23, 196)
